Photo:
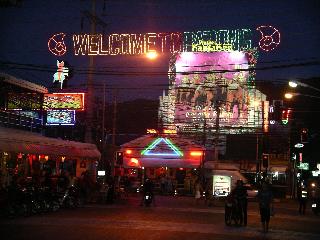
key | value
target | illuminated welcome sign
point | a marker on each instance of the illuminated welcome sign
(136, 44)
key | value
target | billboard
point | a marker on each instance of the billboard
(209, 89)
(221, 185)
(60, 117)
(24, 101)
(66, 101)
(205, 81)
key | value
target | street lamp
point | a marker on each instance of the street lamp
(152, 55)
(288, 95)
(291, 95)
(294, 84)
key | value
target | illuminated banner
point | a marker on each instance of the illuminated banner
(60, 117)
(126, 44)
(24, 101)
(136, 44)
(70, 101)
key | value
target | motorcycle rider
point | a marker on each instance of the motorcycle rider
(303, 199)
(148, 187)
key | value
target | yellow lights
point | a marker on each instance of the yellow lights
(128, 151)
(134, 162)
(196, 153)
(170, 131)
(152, 55)
(293, 84)
(256, 103)
(46, 157)
(288, 95)
(151, 131)
(62, 159)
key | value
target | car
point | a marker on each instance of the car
(251, 190)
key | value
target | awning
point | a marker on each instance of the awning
(170, 163)
(13, 140)
(278, 169)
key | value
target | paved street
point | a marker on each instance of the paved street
(171, 218)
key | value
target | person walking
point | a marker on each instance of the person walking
(241, 195)
(265, 198)
(197, 191)
(303, 199)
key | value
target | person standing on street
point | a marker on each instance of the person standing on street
(241, 195)
(265, 198)
(197, 191)
(303, 199)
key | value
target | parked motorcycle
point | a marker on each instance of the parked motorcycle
(232, 211)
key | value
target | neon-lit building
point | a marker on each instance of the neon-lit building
(163, 155)
(169, 151)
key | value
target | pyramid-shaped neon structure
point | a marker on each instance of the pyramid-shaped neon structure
(149, 150)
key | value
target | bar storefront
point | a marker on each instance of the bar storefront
(163, 158)
(26, 154)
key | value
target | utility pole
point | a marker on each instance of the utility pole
(216, 152)
(114, 121)
(103, 140)
(89, 113)
(94, 20)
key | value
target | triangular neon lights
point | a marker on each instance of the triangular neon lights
(175, 151)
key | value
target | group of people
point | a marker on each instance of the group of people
(239, 197)
(265, 200)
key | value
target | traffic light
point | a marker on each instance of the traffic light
(304, 135)
(285, 115)
(119, 158)
(265, 160)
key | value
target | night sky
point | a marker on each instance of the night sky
(25, 31)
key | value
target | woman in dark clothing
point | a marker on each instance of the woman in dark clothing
(266, 204)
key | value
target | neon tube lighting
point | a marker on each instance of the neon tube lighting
(176, 151)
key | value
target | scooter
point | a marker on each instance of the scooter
(148, 198)
(315, 206)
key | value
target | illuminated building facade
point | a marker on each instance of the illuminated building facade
(210, 89)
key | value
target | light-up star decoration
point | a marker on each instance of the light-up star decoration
(56, 44)
(151, 149)
(61, 73)
(270, 38)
